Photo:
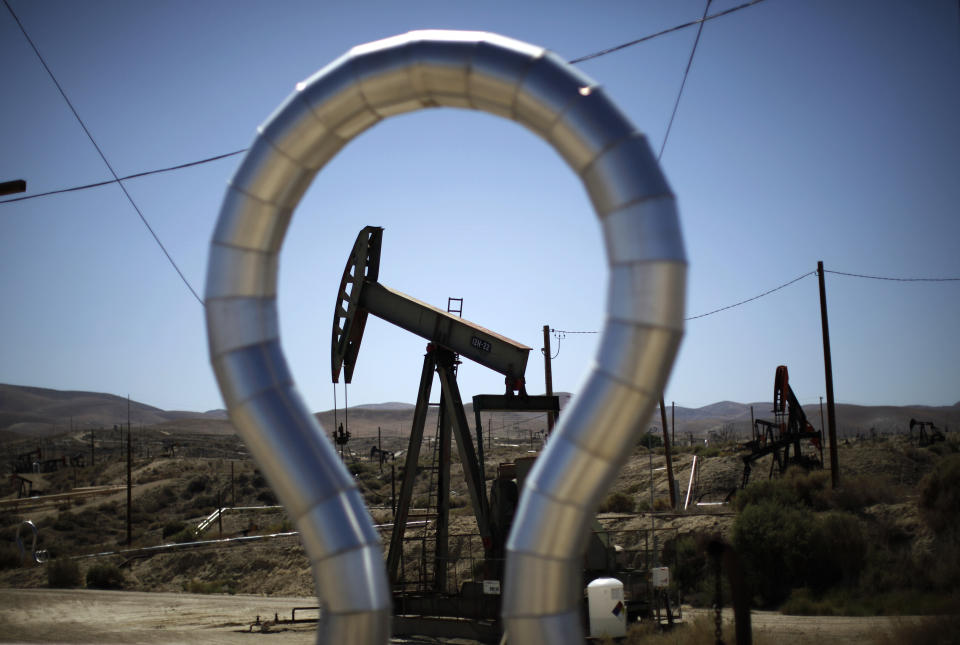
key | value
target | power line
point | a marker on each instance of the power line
(100, 152)
(877, 277)
(683, 83)
(241, 151)
(133, 176)
(757, 297)
(787, 284)
(616, 48)
(716, 311)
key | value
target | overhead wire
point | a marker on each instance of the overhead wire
(616, 48)
(218, 157)
(683, 83)
(757, 297)
(878, 277)
(790, 282)
(116, 178)
(146, 173)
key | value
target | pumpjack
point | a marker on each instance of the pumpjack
(789, 428)
(923, 437)
(450, 338)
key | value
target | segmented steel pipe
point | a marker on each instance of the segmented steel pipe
(641, 335)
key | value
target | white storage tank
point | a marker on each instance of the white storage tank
(606, 609)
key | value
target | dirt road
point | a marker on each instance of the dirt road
(86, 616)
(125, 617)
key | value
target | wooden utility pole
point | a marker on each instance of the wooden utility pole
(129, 478)
(548, 374)
(673, 422)
(666, 452)
(828, 371)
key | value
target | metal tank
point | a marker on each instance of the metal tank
(642, 332)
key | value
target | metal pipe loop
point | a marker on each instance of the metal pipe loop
(645, 307)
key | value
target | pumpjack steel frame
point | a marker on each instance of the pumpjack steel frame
(449, 338)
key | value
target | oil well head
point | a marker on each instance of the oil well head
(645, 302)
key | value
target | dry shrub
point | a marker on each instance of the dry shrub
(695, 632)
(857, 493)
(770, 537)
(812, 490)
(105, 576)
(940, 495)
(9, 557)
(838, 549)
(63, 573)
(617, 503)
(187, 562)
(210, 586)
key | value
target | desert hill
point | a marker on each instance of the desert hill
(36, 411)
(32, 412)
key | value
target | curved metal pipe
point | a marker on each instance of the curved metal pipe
(644, 246)
(37, 556)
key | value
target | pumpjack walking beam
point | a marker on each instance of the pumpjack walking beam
(360, 294)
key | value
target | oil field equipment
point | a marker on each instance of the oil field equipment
(788, 429)
(923, 437)
(449, 337)
(643, 322)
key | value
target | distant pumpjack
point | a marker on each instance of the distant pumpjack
(923, 437)
(789, 428)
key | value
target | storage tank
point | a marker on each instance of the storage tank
(605, 608)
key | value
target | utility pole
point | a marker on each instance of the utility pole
(129, 478)
(828, 372)
(548, 374)
(673, 422)
(666, 453)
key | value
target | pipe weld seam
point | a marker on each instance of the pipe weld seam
(606, 148)
(633, 202)
(359, 546)
(265, 202)
(275, 385)
(521, 79)
(635, 135)
(648, 325)
(641, 261)
(630, 385)
(246, 249)
(282, 153)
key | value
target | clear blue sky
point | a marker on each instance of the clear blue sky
(808, 130)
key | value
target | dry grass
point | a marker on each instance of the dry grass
(699, 631)
(932, 630)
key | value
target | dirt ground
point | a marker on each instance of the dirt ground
(121, 617)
